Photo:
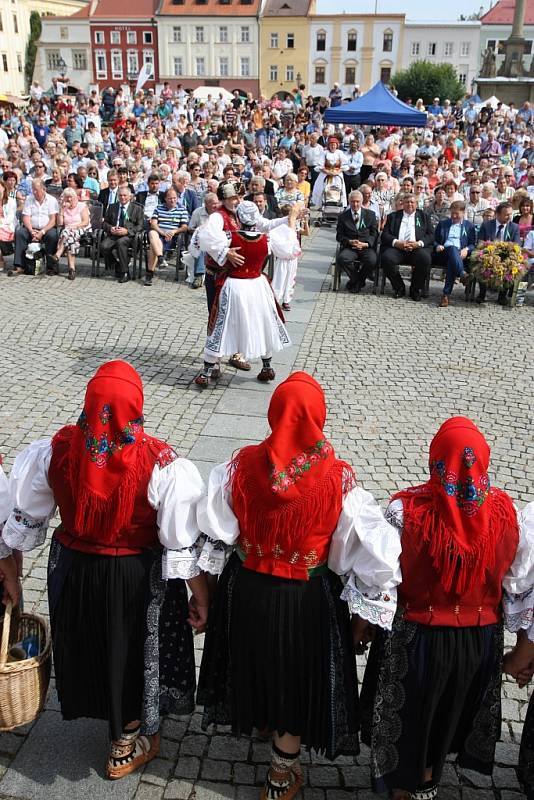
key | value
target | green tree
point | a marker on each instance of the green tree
(426, 80)
(31, 47)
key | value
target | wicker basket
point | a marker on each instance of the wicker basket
(23, 684)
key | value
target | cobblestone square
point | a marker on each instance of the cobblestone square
(392, 371)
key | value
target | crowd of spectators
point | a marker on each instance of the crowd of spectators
(168, 153)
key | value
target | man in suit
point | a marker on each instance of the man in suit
(455, 240)
(500, 229)
(357, 233)
(150, 199)
(407, 238)
(109, 195)
(123, 221)
(260, 199)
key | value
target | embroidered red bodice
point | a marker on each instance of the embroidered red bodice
(425, 600)
(230, 223)
(255, 251)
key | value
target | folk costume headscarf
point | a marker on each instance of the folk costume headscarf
(106, 459)
(457, 514)
(292, 482)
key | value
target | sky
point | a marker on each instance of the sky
(416, 10)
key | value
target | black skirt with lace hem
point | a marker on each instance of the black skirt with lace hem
(429, 691)
(123, 649)
(279, 655)
(526, 753)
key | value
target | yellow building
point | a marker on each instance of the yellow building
(284, 45)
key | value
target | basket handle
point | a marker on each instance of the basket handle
(5, 633)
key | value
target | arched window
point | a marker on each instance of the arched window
(319, 71)
(350, 67)
(352, 41)
(387, 42)
(320, 41)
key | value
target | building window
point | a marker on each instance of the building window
(223, 66)
(200, 66)
(115, 37)
(528, 47)
(245, 34)
(99, 37)
(290, 72)
(147, 37)
(465, 49)
(274, 40)
(199, 34)
(19, 62)
(245, 67)
(320, 42)
(131, 37)
(133, 62)
(416, 48)
(15, 23)
(4, 61)
(462, 76)
(178, 66)
(223, 34)
(148, 58)
(492, 44)
(351, 41)
(320, 76)
(273, 72)
(225, 2)
(350, 75)
(385, 74)
(387, 42)
(177, 34)
(1, 23)
(52, 59)
(116, 64)
(101, 64)
(64, 32)
(431, 49)
(290, 41)
(79, 59)
(448, 49)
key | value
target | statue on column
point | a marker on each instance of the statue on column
(488, 68)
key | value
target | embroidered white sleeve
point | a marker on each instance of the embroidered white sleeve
(5, 508)
(284, 243)
(366, 548)
(212, 238)
(174, 491)
(214, 513)
(31, 498)
(213, 556)
(518, 583)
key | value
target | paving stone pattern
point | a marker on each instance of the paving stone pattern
(392, 370)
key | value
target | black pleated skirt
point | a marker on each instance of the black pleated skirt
(122, 647)
(279, 655)
(429, 691)
(526, 753)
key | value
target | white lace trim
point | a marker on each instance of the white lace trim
(213, 556)
(4, 549)
(181, 563)
(22, 532)
(379, 609)
(519, 612)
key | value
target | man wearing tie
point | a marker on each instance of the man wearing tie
(122, 223)
(500, 229)
(407, 239)
(455, 241)
(357, 233)
(109, 195)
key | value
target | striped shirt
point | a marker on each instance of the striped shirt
(169, 219)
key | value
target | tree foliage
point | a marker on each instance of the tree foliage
(425, 80)
(31, 47)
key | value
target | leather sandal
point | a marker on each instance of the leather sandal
(145, 749)
(293, 788)
(239, 362)
(266, 374)
(202, 380)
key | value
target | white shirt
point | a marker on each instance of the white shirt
(40, 213)
(151, 203)
(407, 228)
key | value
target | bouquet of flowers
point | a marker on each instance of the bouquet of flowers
(498, 264)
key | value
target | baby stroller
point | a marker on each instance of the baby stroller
(331, 200)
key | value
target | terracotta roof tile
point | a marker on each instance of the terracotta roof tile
(286, 8)
(111, 9)
(191, 8)
(502, 13)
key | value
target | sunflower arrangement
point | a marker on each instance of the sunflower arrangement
(499, 264)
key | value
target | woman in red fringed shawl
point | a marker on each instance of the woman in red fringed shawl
(278, 654)
(435, 681)
(128, 530)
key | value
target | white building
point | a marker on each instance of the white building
(456, 43)
(14, 32)
(497, 27)
(352, 49)
(209, 42)
(65, 43)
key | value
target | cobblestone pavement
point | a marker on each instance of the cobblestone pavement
(393, 370)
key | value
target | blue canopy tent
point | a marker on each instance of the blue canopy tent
(376, 107)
